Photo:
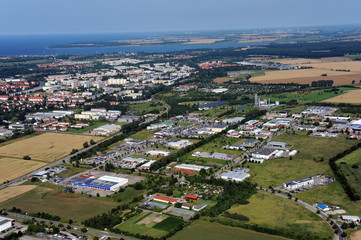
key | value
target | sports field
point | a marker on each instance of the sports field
(66, 205)
(311, 159)
(200, 230)
(319, 67)
(12, 168)
(11, 192)
(47, 147)
(150, 224)
(353, 96)
(268, 210)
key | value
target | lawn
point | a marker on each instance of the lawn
(66, 205)
(12, 168)
(311, 159)
(47, 147)
(267, 210)
(150, 224)
(200, 230)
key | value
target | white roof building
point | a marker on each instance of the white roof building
(5, 223)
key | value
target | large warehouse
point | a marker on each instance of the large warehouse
(106, 183)
(5, 223)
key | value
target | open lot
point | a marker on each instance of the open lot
(353, 96)
(47, 147)
(12, 168)
(11, 192)
(150, 224)
(319, 67)
(265, 209)
(200, 230)
(65, 205)
(311, 159)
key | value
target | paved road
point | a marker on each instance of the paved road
(90, 230)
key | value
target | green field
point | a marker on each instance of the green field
(267, 210)
(200, 230)
(331, 194)
(142, 135)
(150, 224)
(128, 195)
(71, 171)
(311, 159)
(308, 96)
(144, 108)
(65, 205)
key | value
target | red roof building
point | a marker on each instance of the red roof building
(191, 197)
(165, 199)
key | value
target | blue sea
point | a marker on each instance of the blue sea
(19, 45)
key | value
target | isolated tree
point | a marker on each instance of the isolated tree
(86, 144)
(27, 157)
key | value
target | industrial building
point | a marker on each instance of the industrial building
(237, 175)
(106, 183)
(277, 144)
(191, 167)
(298, 183)
(5, 223)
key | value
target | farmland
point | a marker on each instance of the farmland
(150, 224)
(349, 97)
(12, 168)
(319, 67)
(66, 205)
(200, 230)
(311, 159)
(47, 147)
(311, 95)
(270, 211)
(14, 191)
(222, 79)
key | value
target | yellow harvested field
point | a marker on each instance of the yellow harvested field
(319, 67)
(47, 147)
(222, 79)
(11, 192)
(356, 235)
(300, 61)
(353, 96)
(12, 168)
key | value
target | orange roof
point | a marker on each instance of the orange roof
(168, 199)
(191, 196)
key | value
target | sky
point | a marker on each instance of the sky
(108, 16)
